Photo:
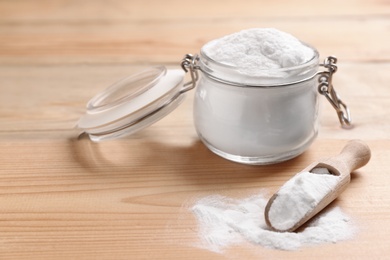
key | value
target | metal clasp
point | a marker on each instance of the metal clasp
(325, 87)
(189, 63)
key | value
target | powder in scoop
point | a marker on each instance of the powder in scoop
(259, 49)
(224, 221)
(299, 196)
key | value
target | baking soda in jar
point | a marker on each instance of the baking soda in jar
(257, 99)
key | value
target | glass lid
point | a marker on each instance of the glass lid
(126, 89)
(132, 103)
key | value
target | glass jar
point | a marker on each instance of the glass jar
(267, 118)
(262, 119)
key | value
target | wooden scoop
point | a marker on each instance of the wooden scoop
(354, 155)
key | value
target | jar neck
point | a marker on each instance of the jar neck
(264, 77)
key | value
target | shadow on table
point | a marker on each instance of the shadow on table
(147, 155)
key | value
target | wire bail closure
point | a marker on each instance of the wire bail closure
(325, 87)
(189, 63)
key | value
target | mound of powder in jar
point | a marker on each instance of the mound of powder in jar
(258, 49)
(223, 222)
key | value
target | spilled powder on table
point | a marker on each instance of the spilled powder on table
(224, 221)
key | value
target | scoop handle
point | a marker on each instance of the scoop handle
(355, 154)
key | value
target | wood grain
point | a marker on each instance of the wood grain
(64, 197)
(73, 10)
(138, 42)
(133, 32)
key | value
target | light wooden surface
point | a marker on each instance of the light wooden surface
(67, 198)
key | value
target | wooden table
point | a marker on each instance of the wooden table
(68, 198)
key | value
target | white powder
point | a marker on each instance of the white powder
(259, 49)
(257, 125)
(299, 196)
(224, 221)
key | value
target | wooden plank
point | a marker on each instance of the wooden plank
(87, 10)
(140, 43)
